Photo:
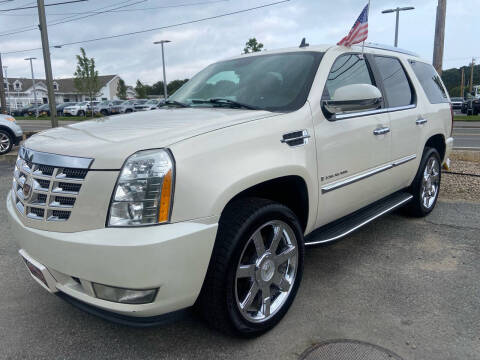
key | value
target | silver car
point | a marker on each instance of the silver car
(10, 133)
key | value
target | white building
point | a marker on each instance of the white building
(20, 91)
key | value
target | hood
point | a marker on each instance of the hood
(110, 140)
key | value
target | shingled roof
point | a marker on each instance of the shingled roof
(65, 86)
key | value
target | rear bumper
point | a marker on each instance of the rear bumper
(172, 258)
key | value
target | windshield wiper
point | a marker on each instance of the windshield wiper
(175, 102)
(223, 101)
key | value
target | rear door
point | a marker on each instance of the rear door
(406, 119)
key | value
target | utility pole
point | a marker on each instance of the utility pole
(439, 41)
(9, 109)
(397, 11)
(471, 75)
(462, 84)
(2, 90)
(33, 83)
(47, 62)
(165, 94)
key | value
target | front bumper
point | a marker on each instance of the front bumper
(173, 258)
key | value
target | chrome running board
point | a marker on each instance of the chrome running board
(348, 224)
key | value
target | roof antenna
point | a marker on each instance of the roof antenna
(303, 43)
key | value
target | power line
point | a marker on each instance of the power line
(154, 29)
(129, 10)
(32, 7)
(70, 18)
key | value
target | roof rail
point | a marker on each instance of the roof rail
(389, 48)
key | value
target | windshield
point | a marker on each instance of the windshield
(276, 82)
(129, 102)
(82, 103)
(139, 102)
(152, 102)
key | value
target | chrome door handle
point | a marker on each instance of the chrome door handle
(421, 121)
(381, 131)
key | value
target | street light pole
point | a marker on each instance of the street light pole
(397, 11)
(165, 94)
(33, 82)
(9, 108)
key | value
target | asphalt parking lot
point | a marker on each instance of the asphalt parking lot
(408, 285)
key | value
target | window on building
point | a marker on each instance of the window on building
(430, 81)
(55, 86)
(17, 85)
(396, 83)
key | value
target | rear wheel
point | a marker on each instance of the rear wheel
(81, 113)
(255, 269)
(6, 142)
(104, 112)
(426, 185)
(128, 111)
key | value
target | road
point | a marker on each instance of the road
(408, 285)
(466, 137)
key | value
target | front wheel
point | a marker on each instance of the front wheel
(255, 269)
(426, 185)
(81, 113)
(6, 142)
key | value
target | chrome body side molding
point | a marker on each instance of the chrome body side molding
(353, 179)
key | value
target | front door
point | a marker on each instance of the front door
(353, 155)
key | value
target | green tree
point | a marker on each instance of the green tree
(141, 90)
(86, 75)
(252, 45)
(175, 85)
(121, 90)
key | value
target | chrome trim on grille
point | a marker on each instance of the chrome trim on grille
(49, 159)
(42, 191)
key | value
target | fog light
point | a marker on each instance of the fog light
(124, 296)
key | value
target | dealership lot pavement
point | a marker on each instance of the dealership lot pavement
(409, 285)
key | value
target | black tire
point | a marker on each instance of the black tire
(5, 136)
(104, 112)
(416, 207)
(81, 113)
(218, 300)
(128, 111)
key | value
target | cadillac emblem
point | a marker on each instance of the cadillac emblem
(27, 188)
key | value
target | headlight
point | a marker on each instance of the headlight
(144, 191)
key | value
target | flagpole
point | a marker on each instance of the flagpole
(368, 14)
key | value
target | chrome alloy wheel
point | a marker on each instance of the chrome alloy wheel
(4, 142)
(430, 183)
(266, 271)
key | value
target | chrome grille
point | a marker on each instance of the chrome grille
(44, 187)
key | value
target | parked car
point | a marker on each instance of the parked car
(139, 104)
(457, 103)
(213, 199)
(127, 106)
(22, 111)
(10, 133)
(104, 107)
(79, 109)
(148, 105)
(62, 106)
(464, 106)
(475, 107)
(43, 110)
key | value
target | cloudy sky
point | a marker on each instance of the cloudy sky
(196, 45)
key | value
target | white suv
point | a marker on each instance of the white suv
(212, 199)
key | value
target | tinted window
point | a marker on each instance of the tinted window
(431, 83)
(276, 82)
(395, 81)
(347, 70)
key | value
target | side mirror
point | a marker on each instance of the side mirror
(353, 98)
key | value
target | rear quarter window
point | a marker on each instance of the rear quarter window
(430, 81)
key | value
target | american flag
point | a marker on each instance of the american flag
(359, 31)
